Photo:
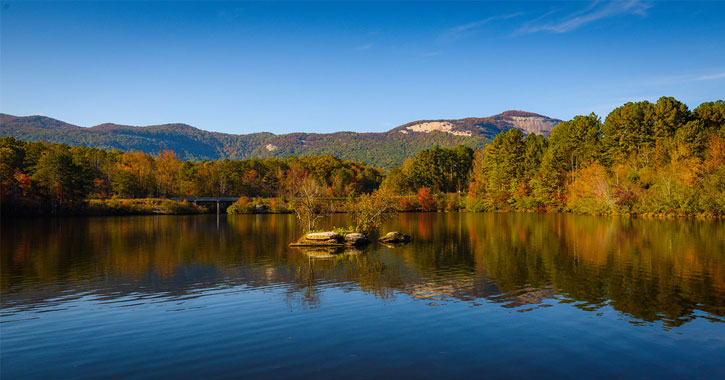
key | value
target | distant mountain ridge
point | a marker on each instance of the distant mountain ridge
(528, 122)
(383, 149)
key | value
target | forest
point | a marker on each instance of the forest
(41, 177)
(644, 159)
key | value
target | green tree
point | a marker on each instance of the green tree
(627, 130)
(502, 167)
(65, 182)
(577, 141)
(669, 115)
(712, 115)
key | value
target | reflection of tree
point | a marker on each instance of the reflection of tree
(650, 270)
(341, 266)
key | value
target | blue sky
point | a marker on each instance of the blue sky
(243, 67)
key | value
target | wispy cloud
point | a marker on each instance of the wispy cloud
(596, 10)
(687, 78)
(710, 77)
(471, 27)
(363, 47)
(430, 54)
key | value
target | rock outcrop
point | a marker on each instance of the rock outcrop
(395, 237)
(331, 239)
(356, 238)
(321, 236)
(320, 239)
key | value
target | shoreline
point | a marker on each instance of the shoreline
(161, 206)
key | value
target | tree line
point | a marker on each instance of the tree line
(644, 158)
(42, 177)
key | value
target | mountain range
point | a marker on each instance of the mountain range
(384, 149)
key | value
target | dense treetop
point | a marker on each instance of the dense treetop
(658, 158)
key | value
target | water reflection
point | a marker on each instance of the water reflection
(669, 271)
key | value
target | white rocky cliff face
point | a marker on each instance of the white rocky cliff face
(533, 124)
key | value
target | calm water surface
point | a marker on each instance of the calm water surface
(474, 295)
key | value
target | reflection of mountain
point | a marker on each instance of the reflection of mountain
(649, 270)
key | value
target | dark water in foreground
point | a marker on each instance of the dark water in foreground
(474, 295)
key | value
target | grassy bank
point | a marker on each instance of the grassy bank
(404, 203)
(141, 207)
(245, 205)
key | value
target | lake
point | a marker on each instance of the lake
(487, 295)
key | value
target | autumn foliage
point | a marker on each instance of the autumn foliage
(426, 200)
(645, 158)
(43, 178)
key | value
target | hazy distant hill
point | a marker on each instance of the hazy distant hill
(384, 150)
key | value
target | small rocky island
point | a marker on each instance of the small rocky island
(331, 239)
(352, 239)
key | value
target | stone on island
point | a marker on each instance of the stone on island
(323, 236)
(331, 239)
(356, 238)
(395, 237)
(318, 239)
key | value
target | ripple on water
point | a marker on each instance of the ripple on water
(496, 294)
